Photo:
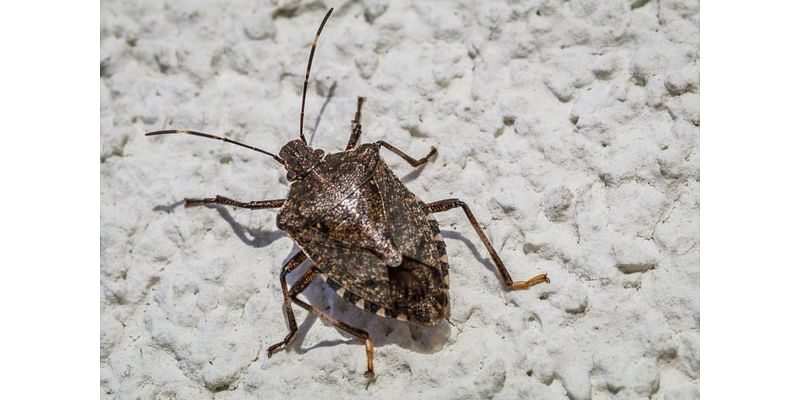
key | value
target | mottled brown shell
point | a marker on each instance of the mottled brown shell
(374, 242)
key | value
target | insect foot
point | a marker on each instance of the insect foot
(519, 285)
(277, 346)
(370, 373)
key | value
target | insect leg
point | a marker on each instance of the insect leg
(356, 134)
(253, 205)
(290, 266)
(361, 334)
(449, 204)
(404, 156)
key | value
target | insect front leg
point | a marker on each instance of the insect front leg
(404, 156)
(449, 204)
(301, 284)
(290, 266)
(356, 134)
(252, 205)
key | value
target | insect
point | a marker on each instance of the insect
(368, 237)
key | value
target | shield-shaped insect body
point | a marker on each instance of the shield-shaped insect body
(373, 241)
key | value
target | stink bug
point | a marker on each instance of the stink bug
(373, 241)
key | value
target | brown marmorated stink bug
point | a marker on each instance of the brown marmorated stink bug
(373, 241)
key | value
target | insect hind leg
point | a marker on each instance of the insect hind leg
(449, 204)
(301, 284)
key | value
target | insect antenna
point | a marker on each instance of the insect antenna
(308, 72)
(209, 136)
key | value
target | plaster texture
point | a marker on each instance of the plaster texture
(571, 128)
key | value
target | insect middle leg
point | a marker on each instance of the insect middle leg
(301, 284)
(290, 266)
(356, 134)
(449, 204)
(252, 205)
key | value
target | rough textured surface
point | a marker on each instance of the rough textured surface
(571, 129)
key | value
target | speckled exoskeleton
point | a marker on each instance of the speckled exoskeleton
(369, 238)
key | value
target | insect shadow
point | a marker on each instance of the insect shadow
(322, 111)
(168, 208)
(413, 174)
(382, 331)
(474, 250)
(258, 237)
(250, 236)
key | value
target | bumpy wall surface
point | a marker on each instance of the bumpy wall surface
(570, 128)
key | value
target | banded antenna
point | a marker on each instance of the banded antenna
(308, 73)
(209, 136)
